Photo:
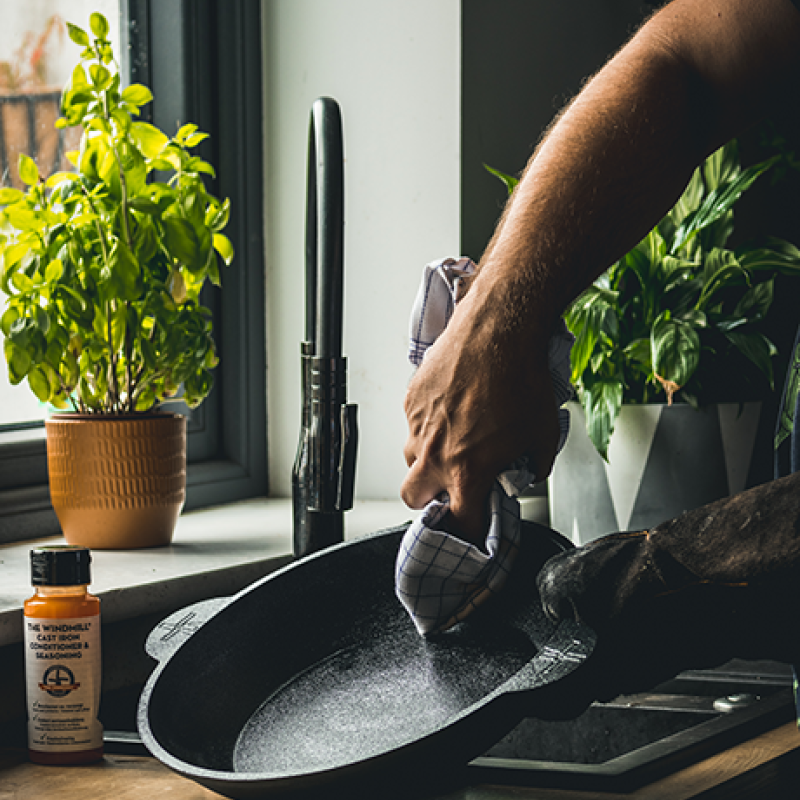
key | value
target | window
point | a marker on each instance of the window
(202, 60)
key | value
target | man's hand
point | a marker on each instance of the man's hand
(482, 397)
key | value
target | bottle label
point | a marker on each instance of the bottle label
(62, 666)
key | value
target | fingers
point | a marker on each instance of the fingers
(419, 487)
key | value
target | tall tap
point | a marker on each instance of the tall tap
(323, 476)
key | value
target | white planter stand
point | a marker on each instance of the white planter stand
(663, 460)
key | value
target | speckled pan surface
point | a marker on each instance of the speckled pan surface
(315, 676)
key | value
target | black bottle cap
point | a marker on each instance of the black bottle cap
(60, 565)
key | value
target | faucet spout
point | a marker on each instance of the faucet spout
(323, 475)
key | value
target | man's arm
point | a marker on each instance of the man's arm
(611, 166)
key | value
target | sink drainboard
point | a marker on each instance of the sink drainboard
(637, 739)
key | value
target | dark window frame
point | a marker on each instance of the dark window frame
(202, 58)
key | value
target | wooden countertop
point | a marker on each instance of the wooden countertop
(767, 766)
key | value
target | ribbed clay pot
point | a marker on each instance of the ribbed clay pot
(117, 482)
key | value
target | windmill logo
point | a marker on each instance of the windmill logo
(58, 681)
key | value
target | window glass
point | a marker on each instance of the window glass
(36, 60)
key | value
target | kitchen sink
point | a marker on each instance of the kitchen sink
(635, 739)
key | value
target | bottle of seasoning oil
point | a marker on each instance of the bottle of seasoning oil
(62, 659)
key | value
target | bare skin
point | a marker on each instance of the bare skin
(617, 159)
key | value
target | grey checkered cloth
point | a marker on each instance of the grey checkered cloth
(439, 578)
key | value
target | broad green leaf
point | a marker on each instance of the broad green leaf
(78, 35)
(721, 269)
(9, 195)
(22, 218)
(185, 131)
(195, 139)
(100, 76)
(79, 78)
(10, 316)
(217, 215)
(778, 255)
(60, 177)
(122, 274)
(675, 350)
(721, 166)
(39, 383)
(28, 171)
(718, 202)
(54, 270)
(99, 25)
(222, 244)
(18, 361)
(138, 95)
(181, 240)
(757, 348)
(756, 301)
(601, 404)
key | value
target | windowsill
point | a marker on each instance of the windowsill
(250, 538)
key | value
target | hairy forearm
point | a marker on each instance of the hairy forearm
(620, 155)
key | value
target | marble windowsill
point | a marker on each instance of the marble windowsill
(252, 537)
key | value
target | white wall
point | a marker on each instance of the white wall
(394, 68)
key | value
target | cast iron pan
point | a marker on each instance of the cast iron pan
(315, 677)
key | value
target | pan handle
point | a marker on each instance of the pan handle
(569, 646)
(172, 632)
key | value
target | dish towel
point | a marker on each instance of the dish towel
(439, 578)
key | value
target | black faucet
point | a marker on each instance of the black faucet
(323, 475)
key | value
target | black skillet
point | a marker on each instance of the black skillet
(315, 677)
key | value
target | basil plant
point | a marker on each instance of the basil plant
(666, 317)
(103, 266)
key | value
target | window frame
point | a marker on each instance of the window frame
(202, 59)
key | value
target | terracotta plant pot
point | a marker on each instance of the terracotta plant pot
(117, 482)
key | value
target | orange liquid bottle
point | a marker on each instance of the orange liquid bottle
(62, 659)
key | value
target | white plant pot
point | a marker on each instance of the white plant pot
(663, 460)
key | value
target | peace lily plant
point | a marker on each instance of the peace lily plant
(663, 318)
(103, 267)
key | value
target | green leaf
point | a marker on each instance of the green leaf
(217, 215)
(99, 25)
(756, 301)
(138, 95)
(181, 240)
(509, 181)
(721, 166)
(28, 171)
(100, 76)
(18, 361)
(185, 131)
(121, 276)
(675, 350)
(601, 404)
(222, 244)
(39, 383)
(78, 35)
(718, 203)
(10, 316)
(779, 255)
(195, 139)
(54, 270)
(756, 347)
(9, 195)
(721, 269)
(149, 139)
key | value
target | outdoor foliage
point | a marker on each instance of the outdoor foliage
(103, 267)
(662, 318)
